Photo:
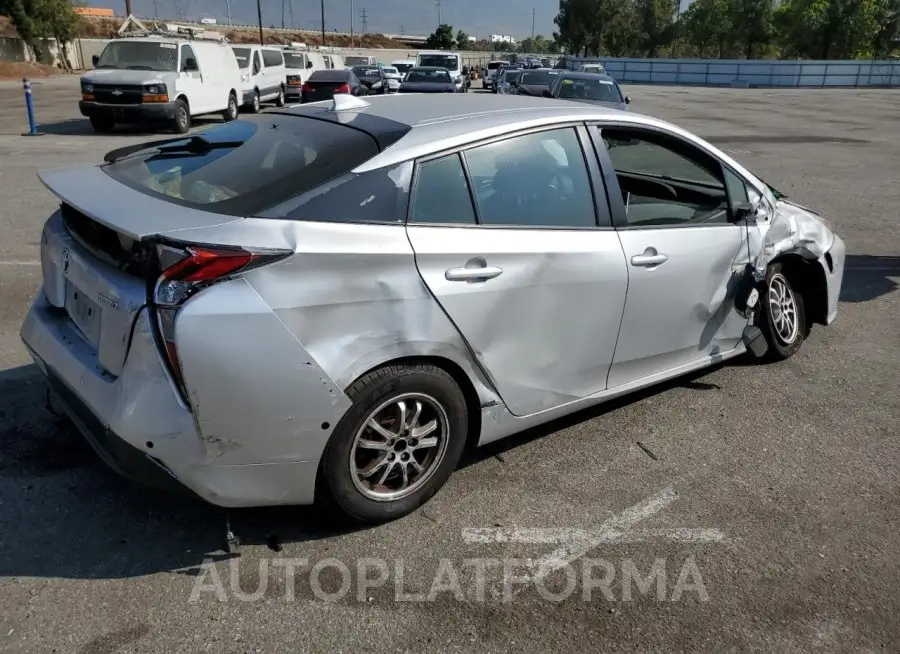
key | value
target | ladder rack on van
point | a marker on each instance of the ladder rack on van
(176, 32)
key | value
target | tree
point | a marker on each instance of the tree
(462, 40)
(441, 38)
(752, 26)
(706, 26)
(656, 24)
(41, 19)
(833, 29)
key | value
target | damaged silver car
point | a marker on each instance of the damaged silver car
(330, 302)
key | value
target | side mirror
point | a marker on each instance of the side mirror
(747, 210)
(309, 64)
(627, 100)
(94, 60)
(190, 65)
(547, 93)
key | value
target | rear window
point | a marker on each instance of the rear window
(329, 76)
(247, 166)
(494, 65)
(272, 58)
(366, 71)
(428, 76)
(542, 77)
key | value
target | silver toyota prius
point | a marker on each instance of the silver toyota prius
(329, 302)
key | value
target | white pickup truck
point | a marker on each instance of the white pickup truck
(490, 74)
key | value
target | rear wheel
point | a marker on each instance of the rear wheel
(103, 125)
(279, 101)
(396, 446)
(783, 314)
(181, 123)
(255, 106)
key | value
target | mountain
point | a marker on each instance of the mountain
(419, 17)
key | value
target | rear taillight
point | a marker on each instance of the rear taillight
(186, 270)
(306, 88)
(343, 88)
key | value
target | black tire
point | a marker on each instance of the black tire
(255, 105)
(181, 123)
(279, 101)
(103, 125)
(783, 342)
(231, 112)
(336, 485)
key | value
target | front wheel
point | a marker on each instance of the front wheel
(255, 105)
(231, 112)
(181, 124)
(396, 446)
(783, 314)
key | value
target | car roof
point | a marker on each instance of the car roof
(430, 68)
(437, 122)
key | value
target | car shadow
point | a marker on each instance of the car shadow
(82, 127)
(867, 277)
(63, 513)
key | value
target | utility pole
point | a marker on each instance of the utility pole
(262, 39)
(127, 8)
(438, 3)
(365, 20)
(532, 27)
(351, 23)
(323, 23)
(228, 10)
(156, 10)
(675, 27)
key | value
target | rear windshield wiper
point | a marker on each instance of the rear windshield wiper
(191, 145)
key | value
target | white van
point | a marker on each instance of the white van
(404, 65)
(161, 77)
(263, 75)
(449, 60)
(300, 63)
(359, 60)
(596, 69)
(490, 75)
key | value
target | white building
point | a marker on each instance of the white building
(499, 38)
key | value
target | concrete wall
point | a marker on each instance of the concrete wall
(14, 50)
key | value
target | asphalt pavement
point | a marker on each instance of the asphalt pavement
(744, 507)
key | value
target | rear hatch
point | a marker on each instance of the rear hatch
(104, 251)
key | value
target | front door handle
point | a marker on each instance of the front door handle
(649, 259)
(480, 273)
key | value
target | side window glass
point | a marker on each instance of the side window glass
(188, 53)
(257, 64)
(442, 194)
(536, 180)
(666, 182)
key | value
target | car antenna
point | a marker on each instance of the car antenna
(344, 102)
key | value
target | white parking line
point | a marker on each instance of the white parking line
(20, 263)
(575, 543)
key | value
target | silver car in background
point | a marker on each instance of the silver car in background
(330, 302)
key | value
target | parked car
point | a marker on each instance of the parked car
(325, 84)
(449, 60)
(535, 82)
(300, 63)
(428, 80)
(491, 72)
(595, 69)
(589, 88)
(263, 74)
(404, 65)
(165, 79)
(394, 78)
(329, 303)
(507, 80)
(372, 77)
(359, 60)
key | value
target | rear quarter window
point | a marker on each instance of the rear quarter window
(250, 166)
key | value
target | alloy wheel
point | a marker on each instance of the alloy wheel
(399, 447)
(783, 309)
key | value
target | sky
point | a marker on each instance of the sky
(419, 17)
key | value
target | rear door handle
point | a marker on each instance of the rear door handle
(481, 273)
(649, 258)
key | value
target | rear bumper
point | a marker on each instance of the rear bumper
(292, 92)
(132, 113)
(834, 276)
(141, 429)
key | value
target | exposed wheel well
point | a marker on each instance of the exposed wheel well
(184, 99)
(809, 278)
(473, 405)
